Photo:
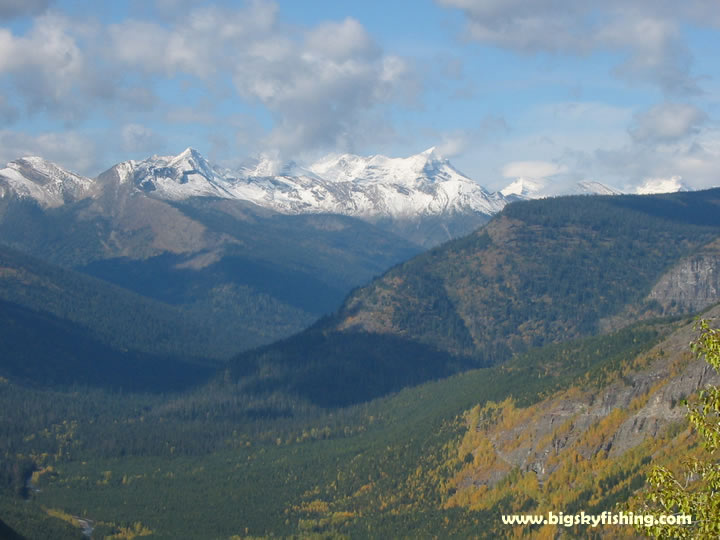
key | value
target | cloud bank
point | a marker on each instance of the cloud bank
(322, 86)
(645, 34)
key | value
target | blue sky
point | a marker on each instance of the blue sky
(551, 90)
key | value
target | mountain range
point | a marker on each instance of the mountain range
(264, 248)
(540, 272)
(252, 274)
(158, 339)
(422, 197)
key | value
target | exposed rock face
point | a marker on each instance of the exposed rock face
(610, 421)
(691, 285)
(662, 407)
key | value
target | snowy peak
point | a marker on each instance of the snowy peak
(341, 168)
(532, 188)
(425, 166)
(187, 174)
(590, 187)
(372, 187)
(189, 160)
(259, 167)
(661, 185)
(422, 184)
(46, 183)
(524, 188)
(437, 167)
(267, 166)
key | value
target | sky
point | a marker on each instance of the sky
(621, 92)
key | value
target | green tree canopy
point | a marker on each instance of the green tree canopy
(698, 493)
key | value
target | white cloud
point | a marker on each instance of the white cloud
(340, 41)
(10, 9)
(667, 122)
(322, 84)
(139, 138)
(72, 150)
(322, 87)
(453, 144)
(646, 32)
(696, 160)
(532, 169)
(203, 43)
(610, 144)
(46, 63)
(55, 68)
(661, 185)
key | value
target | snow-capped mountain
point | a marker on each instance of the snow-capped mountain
(424, 186)
(591, 187)
(533, 188)
(524, 188)
(372, 187)
(661, 185)
(399, 192)
(175, 177)
(422, 198)
(35, 178)
(376, 186)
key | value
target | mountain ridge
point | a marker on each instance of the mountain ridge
(189, 174)
(423, 197)
(227, 260)
(268, 443)
(540, 272)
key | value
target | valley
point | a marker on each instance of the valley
(321, 270)
(464, 382)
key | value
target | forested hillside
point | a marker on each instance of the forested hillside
(251, 274)
(382, 468)
(389, 417)
(101, 311)
(540, 272)
(442, 459)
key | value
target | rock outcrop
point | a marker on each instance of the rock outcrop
(590, 422)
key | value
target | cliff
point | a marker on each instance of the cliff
(587, 447)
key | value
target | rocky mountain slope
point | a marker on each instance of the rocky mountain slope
(692, 284)
(544, 270)
(540, 272)
(423, 198)
(589, 446)
(251, 272)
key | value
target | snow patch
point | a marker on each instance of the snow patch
(524, 188)
(661, 185)
(590, 187)
(48, 184)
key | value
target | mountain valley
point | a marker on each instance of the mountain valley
(228, 262)
(266, 374)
